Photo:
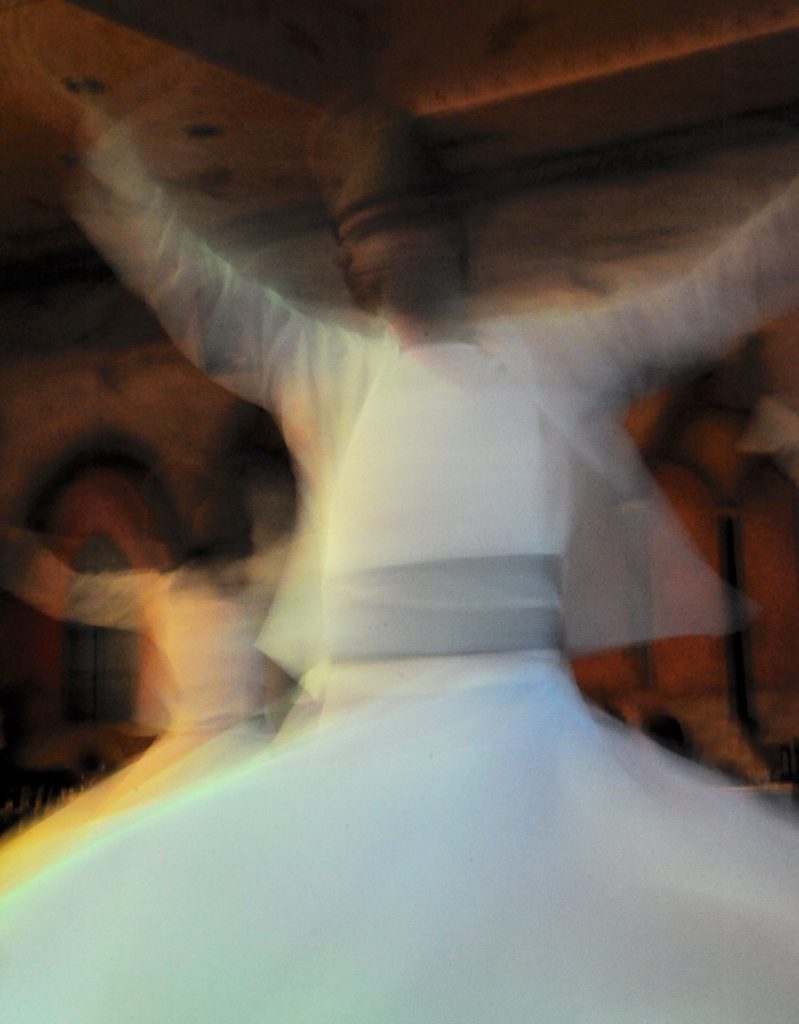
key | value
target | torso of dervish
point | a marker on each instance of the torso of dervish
(480, 476)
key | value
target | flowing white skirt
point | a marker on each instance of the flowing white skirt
(174, 762)
(490, 854)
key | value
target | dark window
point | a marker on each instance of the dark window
(100, 664)
(735, 643)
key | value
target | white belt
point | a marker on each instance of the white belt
(475, 605)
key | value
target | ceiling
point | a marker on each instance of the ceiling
(594, 141)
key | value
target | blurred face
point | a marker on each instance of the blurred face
(411, 271)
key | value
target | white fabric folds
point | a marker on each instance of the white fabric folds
(459, 841)
(490, 854)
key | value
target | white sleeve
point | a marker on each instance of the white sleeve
(751, 277)
(34, 574)
(232, 326)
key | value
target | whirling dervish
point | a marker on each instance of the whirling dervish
(460, 840)
(203, 617)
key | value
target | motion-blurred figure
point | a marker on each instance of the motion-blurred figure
(203, 618)
(463, 841)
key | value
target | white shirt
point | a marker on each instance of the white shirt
(213, 675)
(629, 573)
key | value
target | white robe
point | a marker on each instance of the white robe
(460, 840)
(629, 572)
(208, 701)
(482, 854)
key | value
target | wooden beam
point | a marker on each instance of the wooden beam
(642, 116)
(310, 49)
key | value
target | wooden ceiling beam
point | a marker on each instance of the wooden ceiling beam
(313, 50)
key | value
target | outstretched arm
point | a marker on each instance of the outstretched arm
(33, 573)
(751, 277)
(230, 325)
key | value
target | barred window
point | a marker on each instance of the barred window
(100, 664)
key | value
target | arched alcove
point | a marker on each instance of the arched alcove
(108, 484)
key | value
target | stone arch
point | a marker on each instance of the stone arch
(118, 458)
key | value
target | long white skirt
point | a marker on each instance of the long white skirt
(174, 762)
(491, 854)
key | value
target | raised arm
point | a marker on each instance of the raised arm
(751, 277)
(33, 573)
(230, 325)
